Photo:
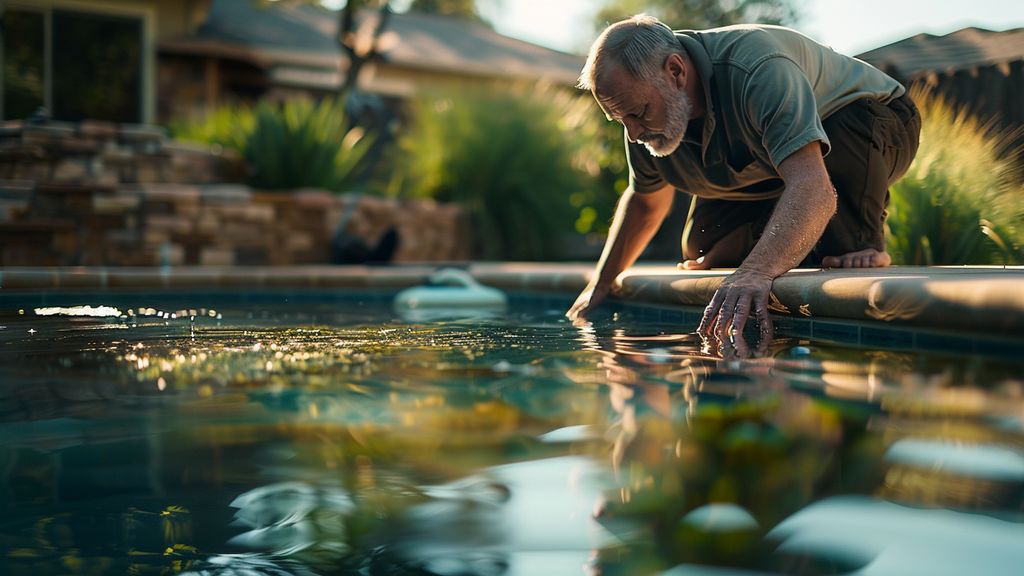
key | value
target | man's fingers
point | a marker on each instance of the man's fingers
(706, 322)
(763, 317)
(740, 343)
(585, 303)
(581, 321)
(742, 313)
(725, 315)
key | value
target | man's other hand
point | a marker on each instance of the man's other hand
(589, 299)
(742, 294)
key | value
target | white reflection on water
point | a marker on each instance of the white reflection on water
(694, 570)
(96, 312)
(295, 519)
(987, 462)
(719, 517)
(893, 539)
(544, 527)
(246, 565)
(566, 434)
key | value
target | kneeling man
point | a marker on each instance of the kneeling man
(787, 147)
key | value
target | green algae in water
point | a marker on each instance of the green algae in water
(332, 440)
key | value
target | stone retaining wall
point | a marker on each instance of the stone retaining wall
(101, 194)
(107, 154)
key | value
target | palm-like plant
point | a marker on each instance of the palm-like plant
(302, 144)
(961, 202)
(292, 145)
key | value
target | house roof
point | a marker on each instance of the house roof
(304, 35)
(963, 49)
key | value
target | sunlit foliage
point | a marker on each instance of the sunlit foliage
(292, 145)
(962, 201)
(523, 161)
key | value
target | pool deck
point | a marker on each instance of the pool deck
(979, 300)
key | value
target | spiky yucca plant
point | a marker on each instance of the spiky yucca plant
(292, 145)
(962, 201)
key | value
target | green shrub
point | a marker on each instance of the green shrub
(226, 126)
(516, 159)
(292, 145)
(961, 202)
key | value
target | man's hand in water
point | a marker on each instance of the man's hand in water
(589, 299)
(741, 295)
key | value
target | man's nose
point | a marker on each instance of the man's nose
(633, 129)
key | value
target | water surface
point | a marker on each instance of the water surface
(337, 438)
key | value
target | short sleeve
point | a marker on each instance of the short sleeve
(781, 108)
(644, 176)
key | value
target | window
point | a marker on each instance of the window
(79, 64)
(24, 63)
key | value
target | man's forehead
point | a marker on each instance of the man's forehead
(615, 103)
(617, 91)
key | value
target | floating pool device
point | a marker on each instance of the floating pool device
(452, 293)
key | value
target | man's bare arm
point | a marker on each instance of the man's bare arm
(800, 216)
(636, 220)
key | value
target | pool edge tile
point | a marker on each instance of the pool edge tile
(30, 279)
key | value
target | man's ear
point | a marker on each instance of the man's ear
(675, 69)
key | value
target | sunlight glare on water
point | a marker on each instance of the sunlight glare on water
(333, 439)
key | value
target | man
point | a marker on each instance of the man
(787, 147)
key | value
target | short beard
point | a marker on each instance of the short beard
(677, 117)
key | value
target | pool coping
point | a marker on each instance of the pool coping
(978, 300)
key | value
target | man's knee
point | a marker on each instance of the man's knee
(724, 231)
(720, 250)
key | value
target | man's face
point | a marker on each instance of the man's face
(653, 112)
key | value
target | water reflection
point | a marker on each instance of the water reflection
(890, 538)
(712, 450)
(335, 441)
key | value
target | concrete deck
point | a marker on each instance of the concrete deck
(982, 301)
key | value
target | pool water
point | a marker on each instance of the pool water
(332, 437)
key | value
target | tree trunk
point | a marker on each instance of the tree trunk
(347, 40)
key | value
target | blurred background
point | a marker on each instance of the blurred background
(258, 132)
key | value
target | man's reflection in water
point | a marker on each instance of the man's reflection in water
(709, 447)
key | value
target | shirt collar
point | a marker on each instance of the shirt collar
(691, 42)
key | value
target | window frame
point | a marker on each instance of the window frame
(145, 12)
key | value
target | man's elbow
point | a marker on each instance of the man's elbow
(829, 198)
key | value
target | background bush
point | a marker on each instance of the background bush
(522, 161)
(962, 201)
(292, 145)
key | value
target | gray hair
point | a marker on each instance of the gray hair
(640, 44)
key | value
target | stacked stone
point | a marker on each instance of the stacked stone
(302, 228)
(15, 196)
(217, 225)
(96, 193)
(104, 153)
(63, 193)
(427, 230)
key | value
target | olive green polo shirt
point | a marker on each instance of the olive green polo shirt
(767, 89)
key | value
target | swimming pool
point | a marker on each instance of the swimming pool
(319, 433)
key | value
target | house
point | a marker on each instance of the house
(981, 69)
(245, 51)
(152, 60)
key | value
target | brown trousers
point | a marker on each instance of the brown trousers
(873, 144)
